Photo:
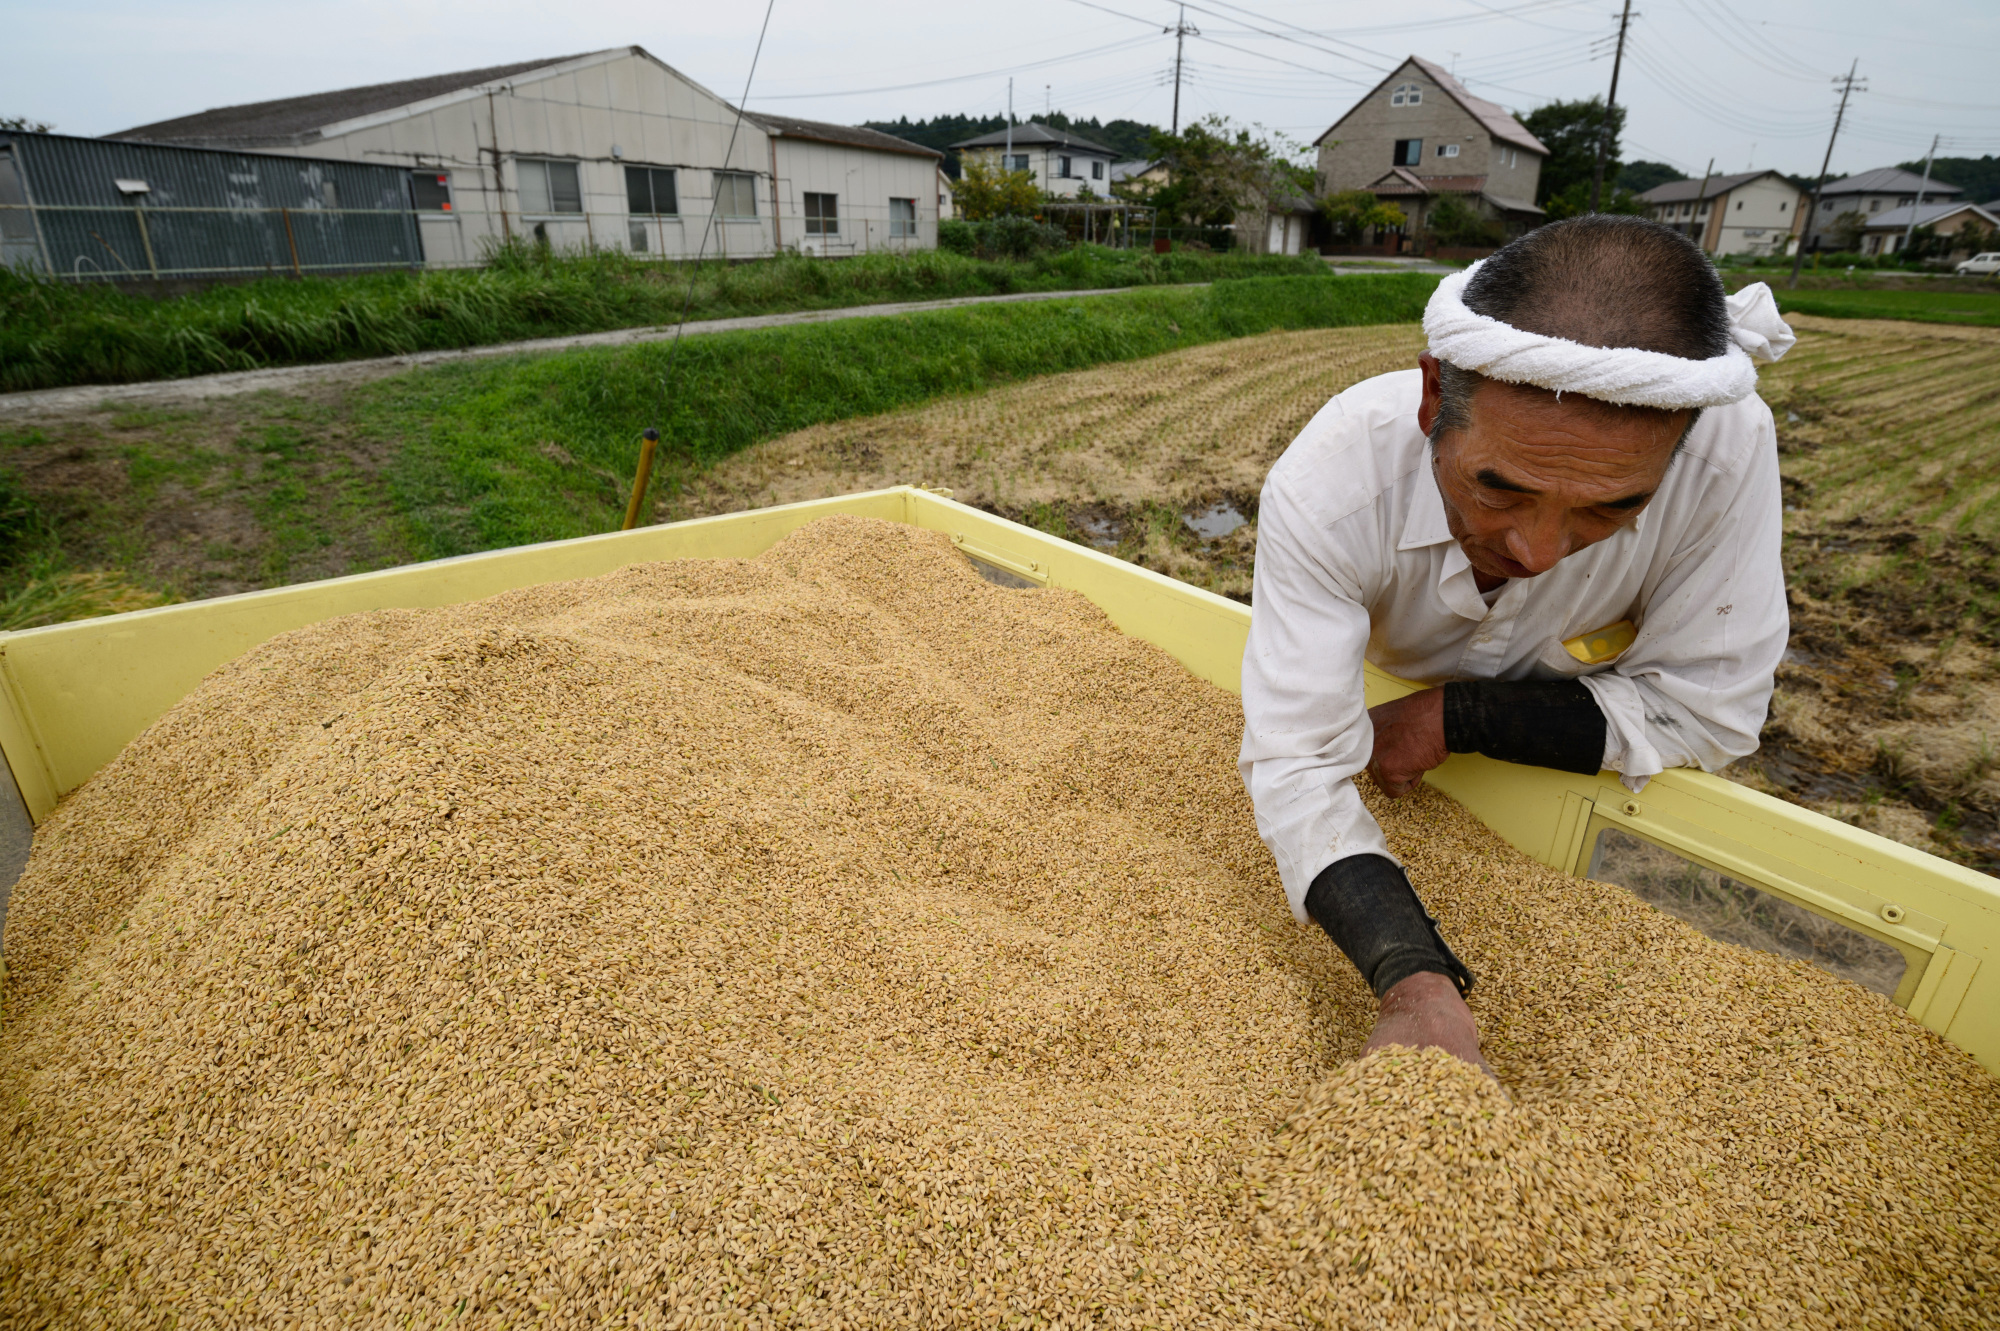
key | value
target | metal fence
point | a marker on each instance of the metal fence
(85, 243)
(103, 209)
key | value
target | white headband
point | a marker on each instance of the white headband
(1624, 375)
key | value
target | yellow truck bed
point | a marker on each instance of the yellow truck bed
(72, 695)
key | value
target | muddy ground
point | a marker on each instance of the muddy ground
(1887, 711)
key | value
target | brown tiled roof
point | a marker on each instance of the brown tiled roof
(1402, 181)
(291, 120)
(853, 136)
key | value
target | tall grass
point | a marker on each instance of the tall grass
(504, 452)
(55, 333)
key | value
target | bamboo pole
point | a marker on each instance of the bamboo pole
(649, 441)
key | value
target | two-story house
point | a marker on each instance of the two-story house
(1063, 164)
(1869, 194)
(1754, 212)
(1419, 137)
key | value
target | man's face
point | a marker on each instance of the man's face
(1532, 480)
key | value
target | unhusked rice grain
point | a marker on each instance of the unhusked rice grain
(832, 939)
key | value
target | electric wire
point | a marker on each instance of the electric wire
(714, 208)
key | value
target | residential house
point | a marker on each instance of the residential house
(1419, 137)
(611, 148)
(1753, 212)
(1063, 164)
(1140, 174)
(1884, 232)
(1870, 193)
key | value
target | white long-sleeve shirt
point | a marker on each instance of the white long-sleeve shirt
(1354, 561)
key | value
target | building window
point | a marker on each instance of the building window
(1873, 205)
(1407, 94)
(650, 192)
(637, 235)
(1409, 152)
(549, 187)
(735, 194)
(822, 214)
(903, 219)
(1097, 170)
(1447, 150)
(1062, 168)
(430, 191)
(1019, 162)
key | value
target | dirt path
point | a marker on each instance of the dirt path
(291, 378)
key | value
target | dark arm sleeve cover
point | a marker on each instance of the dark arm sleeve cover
(1367, 906)
(1540, 722)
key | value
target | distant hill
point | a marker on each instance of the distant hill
(1128, 138)
(1642, 176)
(1979, 177)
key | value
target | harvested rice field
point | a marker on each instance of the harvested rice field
(835, 939)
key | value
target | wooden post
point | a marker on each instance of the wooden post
(146, 239)
(286, 213)
(649, 441)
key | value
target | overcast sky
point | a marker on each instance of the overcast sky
(1749, 85)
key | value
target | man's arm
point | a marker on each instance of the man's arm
(1306, 732)
(1694, 688)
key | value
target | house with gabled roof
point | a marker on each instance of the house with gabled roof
(1749, 212)
(1869, 194)
(1419, 136)
(1063, 164)
(611, 149)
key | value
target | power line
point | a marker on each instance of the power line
(1124, 45)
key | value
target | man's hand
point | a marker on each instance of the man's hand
(1426, 1012)
(1409, 741)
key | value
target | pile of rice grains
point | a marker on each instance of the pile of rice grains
(834, 939)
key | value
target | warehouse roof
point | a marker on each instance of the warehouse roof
(300, 119)
(851, 136)
(1890, 180)
(1034, 132)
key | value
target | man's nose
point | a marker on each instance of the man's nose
(1540, 544)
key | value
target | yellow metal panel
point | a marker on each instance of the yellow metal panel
(76, 693)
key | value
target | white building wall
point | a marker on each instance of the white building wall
(1757, 218)
(603, 113)
(863, 181)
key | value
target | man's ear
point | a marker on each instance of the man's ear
(1433, 402)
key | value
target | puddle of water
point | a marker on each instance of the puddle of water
(1215, 521)
(1100, 532)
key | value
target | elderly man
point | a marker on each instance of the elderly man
(1565, 522)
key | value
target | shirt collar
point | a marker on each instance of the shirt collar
(1424, 524)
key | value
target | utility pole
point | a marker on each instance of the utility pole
(1181, 32)
(1008, 164)
(1610, 106)
(1699, 226)
(1846, 82)
(1920, 193)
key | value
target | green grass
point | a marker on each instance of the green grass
(1945, 307)
(54, 333)
(506, 452)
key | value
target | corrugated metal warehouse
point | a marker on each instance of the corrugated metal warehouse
(613, 149)
(96, 209)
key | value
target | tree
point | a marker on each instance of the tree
(1979, 177)
(23, 125)
(1639, 177)
(985, 191)
(1219, 169)
(1843, 235)
(1569, 130)
(1352, 212)
(1453, 221)
(1575, 201)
